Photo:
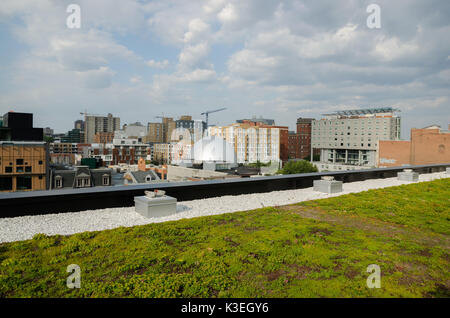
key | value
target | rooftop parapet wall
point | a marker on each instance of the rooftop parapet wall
(70, 200)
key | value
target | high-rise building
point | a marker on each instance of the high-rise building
(261, 120)
(73, 136)
(155, 133)
(79, 124)
(300, 141)
(195, 127)
(160, 132)
(48, 132)
(349, 139)
(168, 126)
(254, 141)
(135, 130)
(94, 124)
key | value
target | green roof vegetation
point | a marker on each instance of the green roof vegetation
(312, 249)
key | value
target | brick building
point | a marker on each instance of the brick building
(428, 145)
(300, 141)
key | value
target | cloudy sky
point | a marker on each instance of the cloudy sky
(276, 59)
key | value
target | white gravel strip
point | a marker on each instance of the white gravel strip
(25, 227)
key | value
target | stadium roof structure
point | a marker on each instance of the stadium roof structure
(363, 111)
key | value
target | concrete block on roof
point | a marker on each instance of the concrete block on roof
(158, 206)
(328, 185)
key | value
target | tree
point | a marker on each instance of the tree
(301, 166)
(315, 158)
(48, 139)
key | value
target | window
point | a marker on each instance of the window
(83, 182)
(19, 161)
(58, 182)
(8, 169)
(24, 183)
(27, 169)
(105, 180)
(19, 169)
(5, 183)
(40, 162)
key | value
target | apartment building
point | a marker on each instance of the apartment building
(63, 153)
(154, 133)
(195, 127)
(162, 152)
(264, 121)
(103, 137)
(121, 150)
(23, 165)
(73, 136)
(349, 139)
(79, 124)
(160, 132)
(254, 141)
(135, 130)
(94, 124)
(300, 141)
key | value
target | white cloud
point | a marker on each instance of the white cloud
(199, 75)
(160, 64)
(193, 55)
(213, 6)
(228, 14)
(135, 79)
(96, 79)
(393, 48)
(197, 30)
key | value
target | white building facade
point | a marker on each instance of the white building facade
(250, 143)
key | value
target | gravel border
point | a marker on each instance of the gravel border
(25, 227)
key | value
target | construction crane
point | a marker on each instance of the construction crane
(209, 112)
(87, 114)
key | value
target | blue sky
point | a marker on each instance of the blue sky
(276, 59)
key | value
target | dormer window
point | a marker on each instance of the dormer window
(105, 180)
(83, 182)
(58, 182)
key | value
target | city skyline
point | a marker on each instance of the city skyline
(280, 60)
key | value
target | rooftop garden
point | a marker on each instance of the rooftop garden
(318, 248)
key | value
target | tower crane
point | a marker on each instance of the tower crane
(209, 112)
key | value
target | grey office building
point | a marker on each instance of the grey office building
(349, 139)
